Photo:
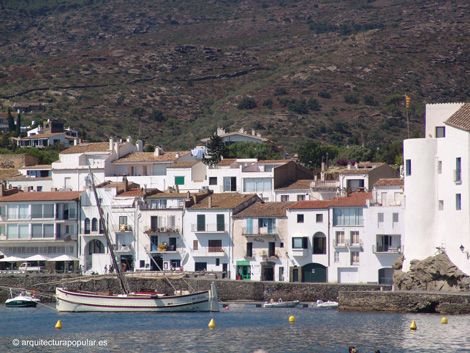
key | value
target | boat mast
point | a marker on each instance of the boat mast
(108, 239)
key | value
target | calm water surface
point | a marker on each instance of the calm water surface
(239, 329)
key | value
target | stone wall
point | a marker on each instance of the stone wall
(405, 302)
(227, 290)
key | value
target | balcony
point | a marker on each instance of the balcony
(386, 249)
(122, 249)
(355, 245)
(299, 252)
(259, 231)
(163, 248)
(122, 228)
(339, 245)
(163, 229)
(209, 252)
(210, 228)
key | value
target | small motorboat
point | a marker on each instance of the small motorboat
(281, 304)
(327, 304)
(23, 300)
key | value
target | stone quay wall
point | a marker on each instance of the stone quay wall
(406, 302)
(227, 290)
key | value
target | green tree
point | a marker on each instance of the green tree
(215, 149)
(390, 153)
(312, 154)
(268, 103)
(247, 103)
(356, 153)
(18, 125)
(157, 115)
(173, 125)
(11, 121)
(251, 150)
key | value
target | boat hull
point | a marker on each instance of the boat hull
(21, 303)
(282, 304)
(76, 301)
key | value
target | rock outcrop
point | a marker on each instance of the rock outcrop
(435, 273)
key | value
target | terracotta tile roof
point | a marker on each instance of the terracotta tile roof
(8, 173)
(38, 166)
(226, 162)
(88, 147)
(42, 136)
(133, 192)
(5, 114)
(389, 182)
(150, 157)
(228, 134)
(274, 161)
(303, 184)
(25, 177)
(172, 195)
(183, 164)
(353, 170)
(43, 196)
(310, 204)
(353, 200)
(222, 201)
(461, 118)
(265, 209)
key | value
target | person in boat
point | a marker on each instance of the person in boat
(23, 293)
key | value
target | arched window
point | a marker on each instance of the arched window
(94, 225)
(87, 225)
(319, 243)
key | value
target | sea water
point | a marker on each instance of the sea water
(240, 328)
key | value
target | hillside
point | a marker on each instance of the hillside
(331, 70)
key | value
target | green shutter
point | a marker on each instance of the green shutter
(179, 180)
(201, 223)
(220, 223)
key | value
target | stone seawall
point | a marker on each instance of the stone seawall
(405, 302)
(228, 290)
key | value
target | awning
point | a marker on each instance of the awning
(37, 257)
(11, 259)
(243, 263)
(64, 258)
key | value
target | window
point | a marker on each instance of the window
(380, 219)
(284, 198)
(336, 256)
(347, 217)
(300, 218)
(201, 223)
(200, 266)
(300, 243)
(230, 184)
(408, 167)
(354, 258)
(154, 222)
(12, 231)
(458, 201)
(395, 219)
(266, 225)
(122, 220)
(217, 262)
(94, 225)
(340, 238)
(249, 249)
(36, 211)
(154, 242)
(319, 218)
(215, 245)
(441, 205)
(319, 243)
(257, 184)
(195, 245)
(300, 197)
(354, 235)
(179, 180)
(48, 211)
(212, 180)
(458, 170)
(87, 225)
(271, 248)
(440, 131)
(220, 223)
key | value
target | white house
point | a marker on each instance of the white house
(436, 186)
(297, 190)
(260, 237)
(208, 231)
(39, 223)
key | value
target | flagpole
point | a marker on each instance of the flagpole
(407, 104)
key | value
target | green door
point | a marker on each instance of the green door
(314, 273)
(243, 270)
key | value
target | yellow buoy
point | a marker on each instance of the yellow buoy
(413, 325)
(58, 325)
(292, 318)
(211, 324)
(444, 320)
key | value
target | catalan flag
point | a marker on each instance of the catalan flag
(407, 100)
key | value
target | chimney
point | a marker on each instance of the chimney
(349, 165)
(116, 149)
(188, 195)
(210, 201)
(140, 146)
(75, 141)
(2, 189)
(157, 151)
(129, 139)
(177, 155)
(111, 143)
(126, 184)
(195, 199)
(323, 166)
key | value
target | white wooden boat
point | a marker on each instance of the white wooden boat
(281, 304)
(80, 301)
(327, 304)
